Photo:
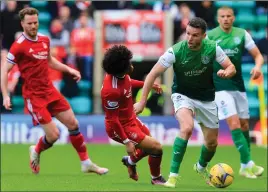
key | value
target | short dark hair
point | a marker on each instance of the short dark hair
(116, 60)
(27, 11)
(198, 22)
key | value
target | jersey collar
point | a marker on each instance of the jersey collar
(29, 38)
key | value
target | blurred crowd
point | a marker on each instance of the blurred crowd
(72, 31)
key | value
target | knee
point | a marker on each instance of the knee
(157, 148)
(186, 131)
(234, 123)
(73, 124)
(212, 144)
(53, 136)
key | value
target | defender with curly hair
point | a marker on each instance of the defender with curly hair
(121, 122)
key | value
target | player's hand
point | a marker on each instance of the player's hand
(76, 74)
(157, 88)
(7, 103)
(223, 74)
(255, 73)
(131, 150)
(138, 107)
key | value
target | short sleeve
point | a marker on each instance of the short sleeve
(13, 54)
(168, 58)
(249, 43)
(111, 99)
(220, 55)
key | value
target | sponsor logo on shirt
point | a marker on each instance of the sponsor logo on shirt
(195, 72)
(112, 104)
(45, 45)
(231, 52)
(41, 57)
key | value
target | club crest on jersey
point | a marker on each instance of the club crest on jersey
(205, 59)
(237, 40)
(44, 45)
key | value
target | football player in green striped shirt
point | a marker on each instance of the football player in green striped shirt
(193, 93)
(231, 97)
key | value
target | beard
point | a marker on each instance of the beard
(32, 33)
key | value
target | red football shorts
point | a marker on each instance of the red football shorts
(135, 131)
(43, 108)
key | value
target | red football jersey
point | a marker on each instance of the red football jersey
(116, 94)
(32, 59)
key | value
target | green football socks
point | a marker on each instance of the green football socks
(241, 145)
(205, 156)
(246, 135)
(179, 148)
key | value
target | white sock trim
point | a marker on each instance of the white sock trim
(130, 161)
(200, 167)
(173, 174)
(153, 177)
(250, 164)
(86, 162)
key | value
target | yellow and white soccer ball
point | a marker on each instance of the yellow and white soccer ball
(221, 175)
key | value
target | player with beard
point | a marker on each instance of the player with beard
(31, 52)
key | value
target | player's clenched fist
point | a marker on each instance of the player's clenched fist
(7, 103)
(76, 74)
(130, 148)
(255, 72)
(138, 107)
(157, 88)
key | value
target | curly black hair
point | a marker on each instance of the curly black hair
(116, 60)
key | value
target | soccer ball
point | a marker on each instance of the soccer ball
(221, 175)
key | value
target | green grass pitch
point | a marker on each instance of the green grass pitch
(60, 170)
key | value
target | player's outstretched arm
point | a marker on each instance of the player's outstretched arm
(5, 68)
(55, 64)
(256, 54)
(139, 84)
(156, 71)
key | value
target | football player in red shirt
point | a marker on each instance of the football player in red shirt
(121, 122)
(31, 52)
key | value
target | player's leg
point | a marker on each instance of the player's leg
(154, 160)
(62, 111)
(245, 130)
(228, 110)
(243, 113)
(207, 152)
(152, 147)
(44, 143)
(128, 161)
(207, 117)
(184, 112)
(40, 115)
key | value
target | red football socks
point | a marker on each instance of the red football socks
(154, 163)
(42, 145)
(80, 146)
